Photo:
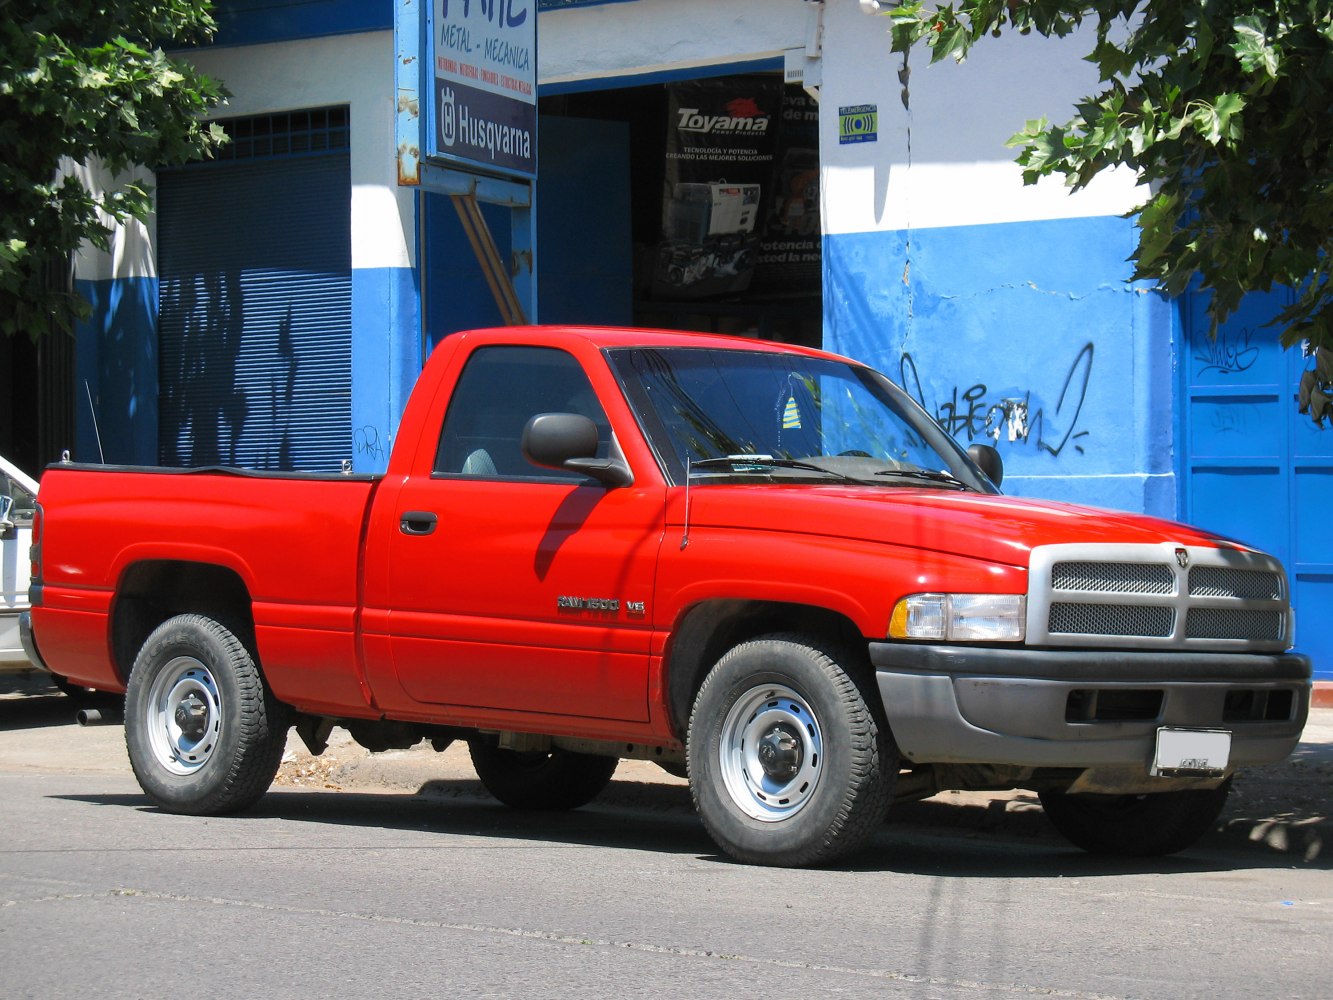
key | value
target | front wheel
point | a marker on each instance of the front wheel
(1135, 826)
(789, 764)
(204, 734)
(552, 780)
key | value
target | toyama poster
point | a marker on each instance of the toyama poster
(721, 141)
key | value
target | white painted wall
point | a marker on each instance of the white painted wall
(130, 254)
(945, 162)
(655, 36)
(355, 70)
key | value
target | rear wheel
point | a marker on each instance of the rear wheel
(204, 734)
(789, 763)
(553, 780)
(1135, 826)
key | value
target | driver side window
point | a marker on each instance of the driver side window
(500, 390)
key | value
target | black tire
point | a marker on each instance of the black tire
(549, 780)
(1135, 826)
(790, 763)
(205, 736)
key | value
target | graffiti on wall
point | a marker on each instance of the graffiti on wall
(368, 443)
(1229, 353)
(975, 413)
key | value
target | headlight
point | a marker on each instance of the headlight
(960, 617)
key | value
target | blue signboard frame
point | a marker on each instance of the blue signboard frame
(423, 163)
(480, 77)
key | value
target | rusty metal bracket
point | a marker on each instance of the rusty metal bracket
(492, 267)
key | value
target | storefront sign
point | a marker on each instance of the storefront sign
(484, 56)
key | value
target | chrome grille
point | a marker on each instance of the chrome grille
(1248, 584)
(1156, 596)
(1113, 578)
(1111, 619)
(1232, 623)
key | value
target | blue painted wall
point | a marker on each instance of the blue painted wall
(251, 22)
(386, 358)
(1026, 336)
(116, 362)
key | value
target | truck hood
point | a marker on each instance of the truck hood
(991, 528)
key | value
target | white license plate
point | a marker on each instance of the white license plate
(1192, 753)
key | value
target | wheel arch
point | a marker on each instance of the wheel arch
(152, 591)
(705, 631)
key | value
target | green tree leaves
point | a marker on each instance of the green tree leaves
(1253, 48)
(1222, 108)
(87, 84)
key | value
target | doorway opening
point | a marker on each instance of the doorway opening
(690, 205)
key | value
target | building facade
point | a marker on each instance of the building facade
(279, 310)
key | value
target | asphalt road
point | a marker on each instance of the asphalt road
(437, 893)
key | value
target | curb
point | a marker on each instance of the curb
(1322, 696)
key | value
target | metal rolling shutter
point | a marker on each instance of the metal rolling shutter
(255, 327)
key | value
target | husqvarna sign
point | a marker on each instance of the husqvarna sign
(485, 82)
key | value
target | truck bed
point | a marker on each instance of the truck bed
(293, 542)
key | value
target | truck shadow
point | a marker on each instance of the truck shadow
(658, 819)
(40, 705)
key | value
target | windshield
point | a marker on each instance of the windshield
(756, 414)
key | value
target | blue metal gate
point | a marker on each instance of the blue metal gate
(255, 327)
(1253, 468)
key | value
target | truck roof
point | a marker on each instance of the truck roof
(617, 336)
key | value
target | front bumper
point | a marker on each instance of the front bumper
(1028, 707)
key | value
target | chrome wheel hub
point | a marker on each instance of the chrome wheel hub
(184, 715)
(771, 753)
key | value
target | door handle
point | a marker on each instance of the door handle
(417, 522)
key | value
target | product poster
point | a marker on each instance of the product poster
(789, 250)
(721, 141)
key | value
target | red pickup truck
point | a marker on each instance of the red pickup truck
(760, 565)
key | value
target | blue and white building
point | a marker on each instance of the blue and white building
(280, 308)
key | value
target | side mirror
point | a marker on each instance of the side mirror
(988, 460)
(569, 441)
(6, 525)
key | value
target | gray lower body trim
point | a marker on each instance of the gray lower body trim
(951, 704)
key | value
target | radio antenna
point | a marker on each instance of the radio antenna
(101, 457)
(685, 536)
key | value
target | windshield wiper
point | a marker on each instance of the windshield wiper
(762, 463)
(943, 478)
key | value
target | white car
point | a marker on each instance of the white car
(18, 501)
